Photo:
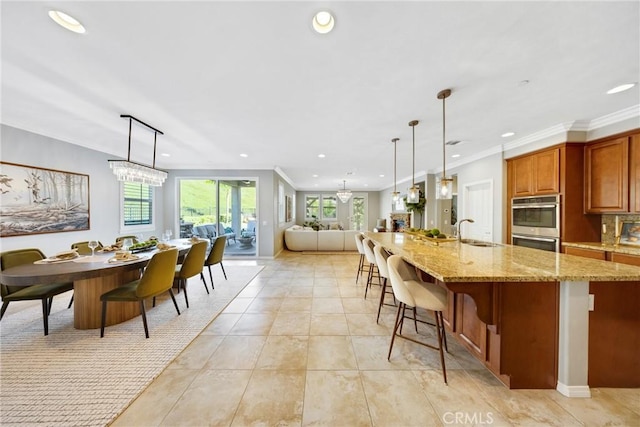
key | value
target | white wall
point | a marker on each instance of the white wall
(30, 149)
(373, 213)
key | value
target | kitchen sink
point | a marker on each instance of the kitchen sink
(478, 243)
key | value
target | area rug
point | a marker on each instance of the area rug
(74, 378)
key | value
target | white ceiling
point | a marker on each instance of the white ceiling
(224, 78)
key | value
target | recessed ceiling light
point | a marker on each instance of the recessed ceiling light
(244, 155)
(314, 175)
(67, 21)
(165, 154)
(381, 176)
(366, 185)
(620, 88)
(323, 22)
(507, 134)
(455, 155)
(322, 156)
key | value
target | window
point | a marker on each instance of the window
(137, 206)
(322, 207)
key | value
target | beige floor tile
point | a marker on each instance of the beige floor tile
(327, 305)
(396, 399)
(459, 402)
(371, 353)
(600, 410)
(222, 324)
(211, 399)
(284, 352)
(250, 291)
(351, 291)
(253, 324)
(325, 281)
(237, 352)
(335, 398)
(300, 292)
(155, 402)
(296, 304)
(629, 397)
(272, 398)
(326, 292)
(360, 305)
(291, 323)
(273, 291)
(197, 353)
(238, 305)
(331, 353)
(365, 324)
(328, 324)
(264, 305)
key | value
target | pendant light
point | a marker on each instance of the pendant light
(344, 195)
(444, 184)
(136, 172)
(413, 196)
(395, 195)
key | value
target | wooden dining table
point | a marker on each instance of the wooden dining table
(92, 276)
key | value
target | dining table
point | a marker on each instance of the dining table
(92, 276)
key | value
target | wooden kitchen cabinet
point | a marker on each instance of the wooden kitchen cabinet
(587, 253)
(607, 176)
(634, 173)
(536, 173)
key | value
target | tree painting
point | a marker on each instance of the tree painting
(35, 200)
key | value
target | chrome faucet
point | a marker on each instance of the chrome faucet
(460, 223)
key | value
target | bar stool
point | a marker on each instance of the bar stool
(412, 292)
(381, 261)
(361, 265)
(368, 245)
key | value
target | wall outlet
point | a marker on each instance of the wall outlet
(591, 302)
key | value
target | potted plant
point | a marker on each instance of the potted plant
(314, 223)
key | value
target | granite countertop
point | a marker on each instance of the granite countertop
(458, 262)
(622, 249)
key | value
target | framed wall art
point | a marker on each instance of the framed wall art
(630, 233)
(288, 208)
(36, 200)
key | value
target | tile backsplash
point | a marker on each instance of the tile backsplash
(609, 221)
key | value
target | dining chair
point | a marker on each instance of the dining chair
(191, 266)
(215, 257)
(410, 291)
(156, 279)
(83, 247)
(45, 293)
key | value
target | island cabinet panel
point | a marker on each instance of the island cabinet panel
(607, 176)
(625, 259)
(521, 346)
(614, 336)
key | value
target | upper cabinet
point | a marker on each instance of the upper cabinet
(536, 174)
(612, 172)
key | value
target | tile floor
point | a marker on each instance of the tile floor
(300, 346)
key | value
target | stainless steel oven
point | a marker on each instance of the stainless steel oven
(535, 222)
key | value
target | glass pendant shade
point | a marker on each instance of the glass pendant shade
(128, 171)
(413, 195)
(444, 187)
(344, 195)
(134, 172)
(395, 196)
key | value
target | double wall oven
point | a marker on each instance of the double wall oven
(535, 222)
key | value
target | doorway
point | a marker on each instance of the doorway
(478, 205)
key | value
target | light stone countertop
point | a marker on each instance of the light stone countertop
(622, 249)
(457, 262)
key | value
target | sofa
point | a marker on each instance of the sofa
(298, 238)
(211, 231)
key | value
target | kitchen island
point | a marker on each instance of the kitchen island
(523, 312)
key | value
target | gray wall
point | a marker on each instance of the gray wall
(30, 149)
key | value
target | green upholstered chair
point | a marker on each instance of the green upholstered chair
(83, 247)
(215, 257)
(191, 266)
(156, 279)
(45, 293)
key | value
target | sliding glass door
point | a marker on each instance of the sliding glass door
(211, 208)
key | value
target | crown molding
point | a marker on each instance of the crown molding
(618, 116)
(284, 176)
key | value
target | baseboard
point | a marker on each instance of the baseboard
(573, 390)
(328, 252)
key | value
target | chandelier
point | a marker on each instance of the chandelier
(413, 196)
(135, 172)
(395, 195)
(444, 185)
(344, 195)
